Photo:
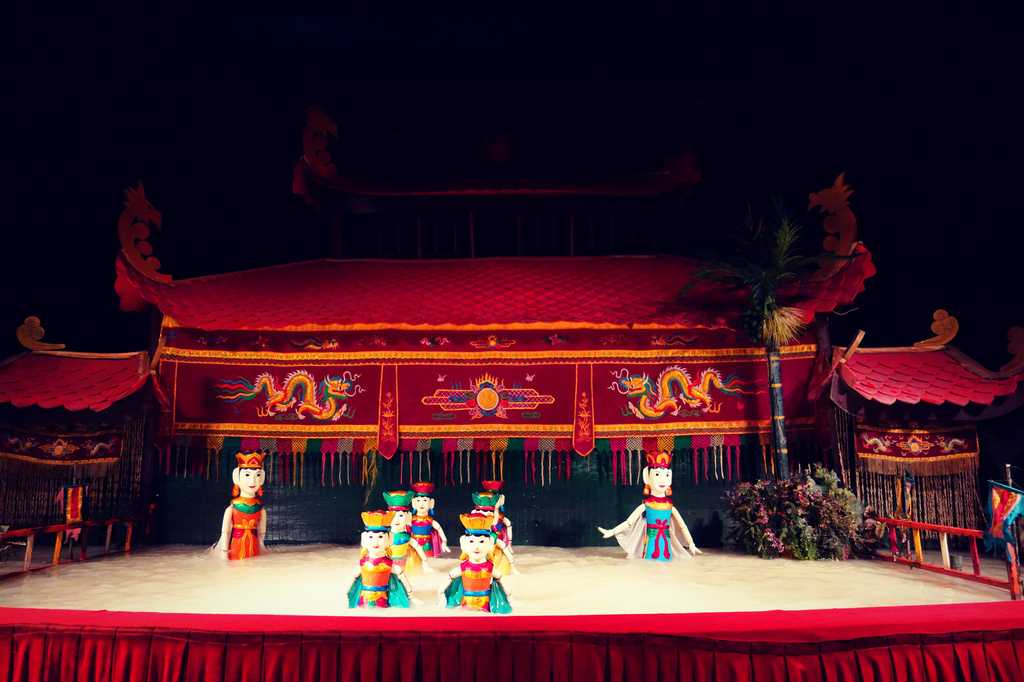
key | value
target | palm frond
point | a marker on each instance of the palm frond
(782, 325)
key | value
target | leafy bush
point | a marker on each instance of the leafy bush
(804, 517)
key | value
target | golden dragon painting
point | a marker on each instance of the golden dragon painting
(673, 390)
(299, 392)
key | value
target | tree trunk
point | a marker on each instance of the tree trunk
(778, 413)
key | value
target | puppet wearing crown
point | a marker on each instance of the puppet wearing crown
(492, 502)
(379, 582)
(406, 553)
(655, 530)
(476, 581)
(425, 530)
(245, 520)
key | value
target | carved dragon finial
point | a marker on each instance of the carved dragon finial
(840, 223)
(30, 335)
(320, 131)
(1015, 346)
(133, 229)
(944, 327)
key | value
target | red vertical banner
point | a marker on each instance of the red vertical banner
(387, 411)
(74, 497)
(583, 411)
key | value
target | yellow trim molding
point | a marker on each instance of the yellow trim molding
(937, 429)
(48, 462)
(925, 458)
(694, 426)
(347, 431)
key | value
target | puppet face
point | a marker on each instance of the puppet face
(659, 480)
(423, 504)
(400, 521)
(375, 542)
(249, 481)
(477, 547)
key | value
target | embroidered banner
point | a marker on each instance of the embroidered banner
(387, 411)
(64, 449)
(422, 395)
(929, 451)
(583, 421)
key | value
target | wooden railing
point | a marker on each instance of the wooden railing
(60, 529)
(1012, 583)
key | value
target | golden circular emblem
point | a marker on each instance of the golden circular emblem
(487, 399)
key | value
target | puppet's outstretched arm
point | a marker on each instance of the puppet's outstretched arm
(225, 534)
(686, 538)
(625, 525)
(262, 530)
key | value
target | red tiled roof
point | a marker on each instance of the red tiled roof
(600, 292)
(74, 381)
(916, 375)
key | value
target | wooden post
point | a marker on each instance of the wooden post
(1012, 573)
(918, 551)
(83, 544)
(110, 532)
(894, 544)
(58, 545)
(128, 538)
(944, 548)
(779, 442)
(30, 544)
(974, 557)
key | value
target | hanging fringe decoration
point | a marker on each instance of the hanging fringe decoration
(942, 461)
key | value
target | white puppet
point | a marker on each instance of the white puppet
(245, 520)
(655, 530)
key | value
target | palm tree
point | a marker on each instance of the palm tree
(765, 259)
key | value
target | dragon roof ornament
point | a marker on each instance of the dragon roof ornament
(1015, 346)
(840, 225)
(133, 230)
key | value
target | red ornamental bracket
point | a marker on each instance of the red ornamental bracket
(583, 411)
(387, 411)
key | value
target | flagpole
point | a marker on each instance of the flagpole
(1013, 555)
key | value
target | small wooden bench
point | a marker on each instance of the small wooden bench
(26, 537)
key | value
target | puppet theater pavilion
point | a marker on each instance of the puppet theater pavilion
(555, 375)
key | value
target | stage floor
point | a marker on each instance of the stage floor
(312, 580)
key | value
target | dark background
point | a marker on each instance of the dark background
(922, 111)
